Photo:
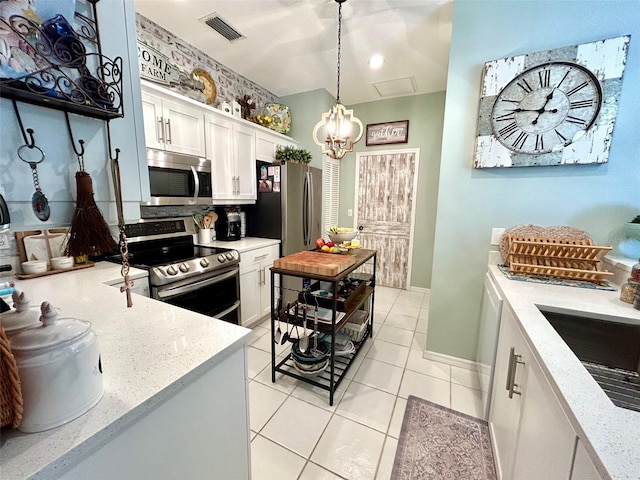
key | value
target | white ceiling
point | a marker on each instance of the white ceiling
(291, 45)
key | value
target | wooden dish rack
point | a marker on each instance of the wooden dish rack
(557, 258)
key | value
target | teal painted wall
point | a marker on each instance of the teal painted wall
(425, 115)
(306, 109)
(596, 198)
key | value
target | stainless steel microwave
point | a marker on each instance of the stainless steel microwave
(176, 179)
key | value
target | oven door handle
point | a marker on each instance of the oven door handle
(196, 184)
(228, 310)
(172, 292)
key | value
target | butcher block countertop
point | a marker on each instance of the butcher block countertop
(321, 265)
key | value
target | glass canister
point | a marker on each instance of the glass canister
(635, 272)
(629, 291)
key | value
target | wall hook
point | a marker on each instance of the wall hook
(79, 153)
(113, 158)
(31, 142)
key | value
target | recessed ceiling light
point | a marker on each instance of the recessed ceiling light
(376, 61)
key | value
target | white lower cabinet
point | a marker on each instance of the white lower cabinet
(255, 283)
(583, 468)
(532, 437)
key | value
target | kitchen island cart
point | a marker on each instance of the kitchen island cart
(337, 299)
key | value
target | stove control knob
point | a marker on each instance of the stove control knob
(235, 254)
(221, 258)
(172, 270)
(184, 268)
(204, 263)
(229, 255)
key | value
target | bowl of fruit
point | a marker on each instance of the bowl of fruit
(341, 235)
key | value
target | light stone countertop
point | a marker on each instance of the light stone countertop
(148, 352)
(610, 434)
(243, 245)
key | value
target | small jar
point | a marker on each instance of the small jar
(629, 291)
(635, 272)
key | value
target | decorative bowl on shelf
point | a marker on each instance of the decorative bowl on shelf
(280, 117)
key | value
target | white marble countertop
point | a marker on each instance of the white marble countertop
(610, 434)
(148, 352)
(243, 245)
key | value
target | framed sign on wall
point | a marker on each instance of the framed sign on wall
(387, 133)
(553, 107)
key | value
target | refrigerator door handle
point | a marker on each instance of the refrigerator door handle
(306, 195)
(311, 206)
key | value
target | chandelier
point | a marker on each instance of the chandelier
(333, 132)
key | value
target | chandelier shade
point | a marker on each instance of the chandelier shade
(334, 132)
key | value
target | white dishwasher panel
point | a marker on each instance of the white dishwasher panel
(488, 340)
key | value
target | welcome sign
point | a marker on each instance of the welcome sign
(156, 67)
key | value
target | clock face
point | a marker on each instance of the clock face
(546, 108)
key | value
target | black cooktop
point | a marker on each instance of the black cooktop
(153, 253)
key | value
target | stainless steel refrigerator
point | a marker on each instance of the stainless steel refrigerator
(289, 206)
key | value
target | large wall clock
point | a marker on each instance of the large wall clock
(550, 108)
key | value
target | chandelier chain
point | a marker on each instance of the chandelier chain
(339, 45)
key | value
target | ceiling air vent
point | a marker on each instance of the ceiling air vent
(223, 27)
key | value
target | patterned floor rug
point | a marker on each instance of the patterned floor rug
(439, 443)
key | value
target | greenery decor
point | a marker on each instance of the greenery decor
(291, 154)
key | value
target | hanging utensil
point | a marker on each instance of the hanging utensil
(33, 156)
(314, 351)
(304, 340)
(285, 337)
(278, 335)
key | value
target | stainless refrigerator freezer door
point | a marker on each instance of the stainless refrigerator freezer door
(301, 207)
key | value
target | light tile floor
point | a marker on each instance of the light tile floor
(296, 434)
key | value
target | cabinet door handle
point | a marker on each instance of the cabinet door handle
(233, 181)
(238, 185)
(514, 360)
(168, 130)
(160, 131)
(260, 257)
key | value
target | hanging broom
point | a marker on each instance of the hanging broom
(89, 234)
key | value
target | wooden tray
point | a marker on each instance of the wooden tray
(80, 266)
(325, 264)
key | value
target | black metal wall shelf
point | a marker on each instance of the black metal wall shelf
(67, 70)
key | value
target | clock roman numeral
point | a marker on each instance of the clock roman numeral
(581, 104)
(506, 132)
(539, 142)
(520, 139)
(563, 78)
(576, 120)
(562, 137)
(545, 78)
(510, 101)
(576, 89)
(506, 117)
(525, 86)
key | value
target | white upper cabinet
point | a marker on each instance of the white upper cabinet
(231, 148)
(173, 126)
(267, 144)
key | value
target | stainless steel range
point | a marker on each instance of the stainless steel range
(201, 279)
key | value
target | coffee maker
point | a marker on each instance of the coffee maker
(228, 225)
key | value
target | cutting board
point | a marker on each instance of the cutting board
(41, 244)
(318, 263)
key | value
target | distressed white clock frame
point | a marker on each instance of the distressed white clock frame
(605, 59)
